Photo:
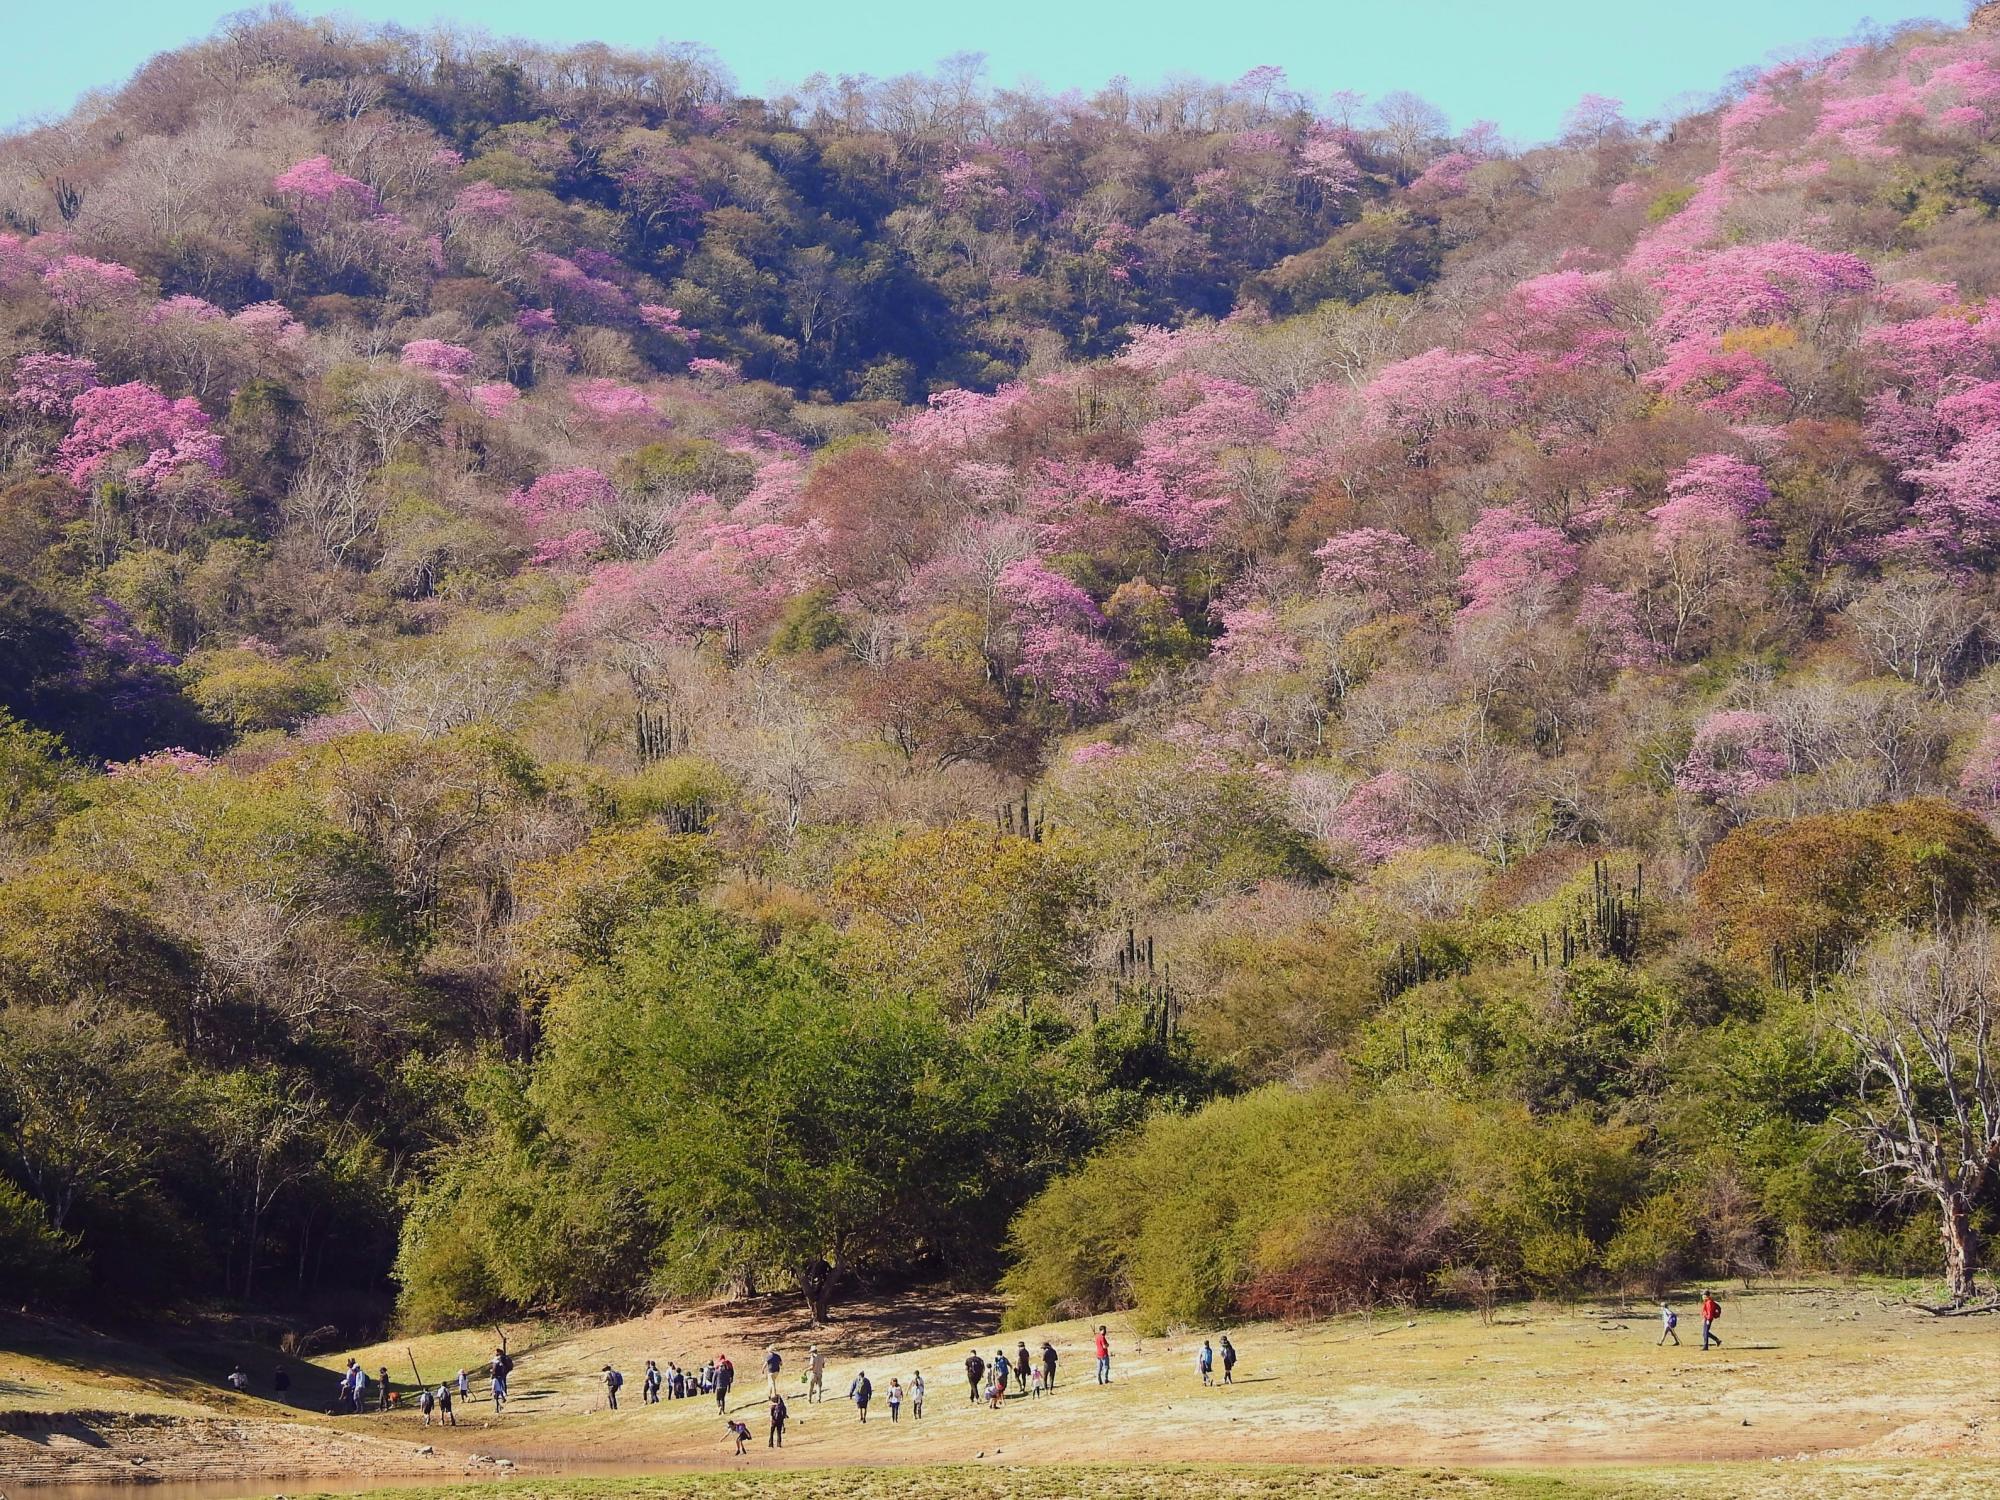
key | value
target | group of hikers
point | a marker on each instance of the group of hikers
(436, 1403)
(988, 1383)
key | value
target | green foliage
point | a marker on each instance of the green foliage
(1809, 891)
(34, 1259)
(968, 915)
(1287, 1201)
(704, 1110)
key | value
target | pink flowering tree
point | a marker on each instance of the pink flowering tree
(1733, 383)
(1254, 640)
(1513, 564)
(135, 433)
(47, 383)
(557, 504)
(1716, 493)
(270, 323)
(1040, 596)
(1385, 568)
(448, 364)
(612, 400)
(666, 321)
(1074, 671)
(1375, 818)
(316, 183)
(77, 283)
(1705, 294)
(1735, 754)
(1702, 537)
(494, 398)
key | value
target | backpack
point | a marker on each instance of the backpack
(1673, 1320)
(614, 1380)
(1716, 1316)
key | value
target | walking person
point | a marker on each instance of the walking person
(501, 1367)
(1048, 1364)
(975, 1372)
(1204, 1361)
(1228, 1361)
(649, 1385)
(1102, 1344)
(894, 1396)
(426, 1403)
(725, 1377)
(815, 1375)
(1021, 1367)
(780, 1414)
(1669, 1321)
(1034, 1382)
(383, 1398)
(445, 1416)
(1710, 1311)
(281, 1382)
(863, 1391)
(1002, 1371)
(464, 1388)
(917, 1397)
(612, 1381)
(773, 1363)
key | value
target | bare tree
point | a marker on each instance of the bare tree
(1921, 1015)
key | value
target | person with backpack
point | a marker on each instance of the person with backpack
(237, 1381)
(1669, 1321)
(1002, 1371)
(741, 1432)
(863, 1391)
(773, 1363)
(917, 1397)
(780, 1414)
(725, 1377)
(426, 1403)
(612, 1381)
(1228, 1361)
(1710, 1311)
(1048, 1365)
(1204, 1362)
(975, 1372)
(1102, 1343)
(445, 1417)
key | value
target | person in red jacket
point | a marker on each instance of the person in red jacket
(1710, 1311)
(1103, 1343)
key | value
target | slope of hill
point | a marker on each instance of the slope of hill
(535, 760)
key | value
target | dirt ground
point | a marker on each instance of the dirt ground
(1833, 1376)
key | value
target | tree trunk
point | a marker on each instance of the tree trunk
(1961, 1249)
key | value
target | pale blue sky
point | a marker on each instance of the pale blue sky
(1519, 63)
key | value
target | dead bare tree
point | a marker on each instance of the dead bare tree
(1921, 1015)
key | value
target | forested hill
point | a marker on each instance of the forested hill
(614, 689)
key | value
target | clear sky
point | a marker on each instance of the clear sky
(1520, 62)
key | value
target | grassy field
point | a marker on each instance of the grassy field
(1818, 1391)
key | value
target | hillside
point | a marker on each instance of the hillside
(1219, 704)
